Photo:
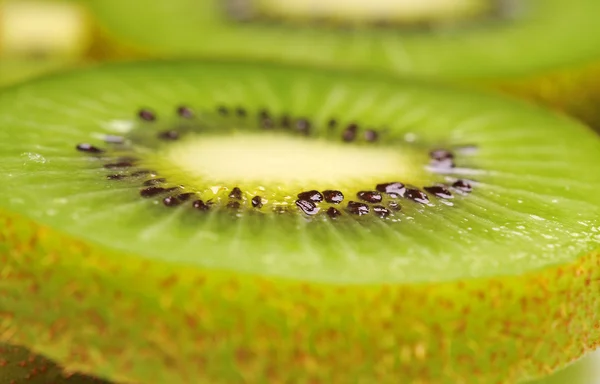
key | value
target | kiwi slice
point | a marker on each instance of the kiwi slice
(220, 222)
(498, 43)
(39, 37)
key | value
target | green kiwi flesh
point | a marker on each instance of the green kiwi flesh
(105, 276)
(14, 71)
(509, 45)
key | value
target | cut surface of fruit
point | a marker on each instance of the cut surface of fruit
(500, 44)
(166, 222)
(507, 45)
(14, 71)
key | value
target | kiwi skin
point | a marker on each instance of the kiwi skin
(167, 334)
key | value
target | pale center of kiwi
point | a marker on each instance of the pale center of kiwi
(360, 11)
(284, 162)
(34, 27)
(375, 9)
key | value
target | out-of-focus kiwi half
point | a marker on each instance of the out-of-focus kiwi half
(41, 36)
(186, 222)
(543, 49)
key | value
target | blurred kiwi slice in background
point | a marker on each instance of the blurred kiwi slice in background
(548, 50)
(180, 222)
(41, 36)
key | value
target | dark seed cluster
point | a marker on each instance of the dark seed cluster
(381, 201)
(265, 120)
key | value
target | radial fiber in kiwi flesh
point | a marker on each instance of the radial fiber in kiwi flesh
(215, 222)
(518, 46)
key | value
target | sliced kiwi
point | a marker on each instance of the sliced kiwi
(41, 36)
(43, 28)
(185, 222)
(522, 47)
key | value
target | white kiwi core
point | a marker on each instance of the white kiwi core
(403, 10)
(280, 161)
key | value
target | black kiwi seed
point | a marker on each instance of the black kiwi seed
(120, 164)
(332, 123)
(146, 115)
(200, 205)
(184, 196)
(115, 177)
(439, 191)
(171, 201)
(286, 122)
(442, 158)
(358, 208)
(234, 205)
(394, 189)
(441, 154)
(257, 202)
(463, 185)
(89, 148)
(303, 126)
(264, 114)
(153, 191)
(223, 111)
(241, 112)
(349, 133)
(112, 139)
(314, 196)
(154, 182)
(371, 135)
(266, 123)
(369, 196)
(185, 112)
(416, 195)
(307, 207)
(168, 135)
(394, 206)
(333, 212)
(381, 211)
(332, 196)
(235, 193)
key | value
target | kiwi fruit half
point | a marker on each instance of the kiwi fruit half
(186, 222)
(41, 36)
(548, 50)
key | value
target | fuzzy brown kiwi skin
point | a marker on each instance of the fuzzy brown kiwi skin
(19, 366)
(98, 311)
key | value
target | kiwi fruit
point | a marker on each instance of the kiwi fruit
(186, 222)
(547, 50)
(39, 37)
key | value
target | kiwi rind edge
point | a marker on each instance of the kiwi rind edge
(119, 317)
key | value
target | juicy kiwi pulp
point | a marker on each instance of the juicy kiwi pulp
(219, 222)
(503, 49)
(498, 44)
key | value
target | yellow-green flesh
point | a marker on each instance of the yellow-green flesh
(543, 35)
(107, 282)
